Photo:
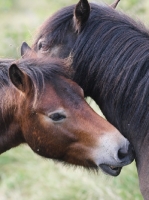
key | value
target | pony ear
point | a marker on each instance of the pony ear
(25, 49)
(20, 80)
(81, 14)
(113, 5)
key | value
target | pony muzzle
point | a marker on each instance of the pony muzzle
(113, 154)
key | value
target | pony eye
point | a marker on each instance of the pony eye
(42, 45)
(57, 117)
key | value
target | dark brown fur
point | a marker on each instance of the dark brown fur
(110, 58)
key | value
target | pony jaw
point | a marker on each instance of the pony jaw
(111, 170)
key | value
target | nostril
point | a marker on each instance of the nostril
(122, 154)
(125, 154)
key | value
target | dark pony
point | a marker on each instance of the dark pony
(41, 106)
(110, 57)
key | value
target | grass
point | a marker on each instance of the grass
(24, 175)
(20, 19)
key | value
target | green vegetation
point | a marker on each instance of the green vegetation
(24, 175)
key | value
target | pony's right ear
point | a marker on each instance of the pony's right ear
(20, 79)
(113, 5)
(81, 14)
(25, 49)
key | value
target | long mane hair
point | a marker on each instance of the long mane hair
(111, 61)
(110, 58)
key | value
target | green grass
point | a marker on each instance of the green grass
(20, 19)
(24, 175)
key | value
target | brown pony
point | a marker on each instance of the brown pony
(42, 107)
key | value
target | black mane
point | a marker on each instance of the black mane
(110, 58)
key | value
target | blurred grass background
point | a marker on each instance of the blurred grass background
(26, 176)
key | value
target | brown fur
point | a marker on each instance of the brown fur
(40, 88)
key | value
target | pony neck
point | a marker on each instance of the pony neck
(10, 134)
(115, 74)
(121, 91)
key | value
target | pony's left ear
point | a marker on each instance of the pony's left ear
(26, 51)
(81, 14)
(20, 79)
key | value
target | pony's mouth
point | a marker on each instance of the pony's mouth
(111, 170)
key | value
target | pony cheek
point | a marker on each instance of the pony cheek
(46, 139)
(40, 142)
